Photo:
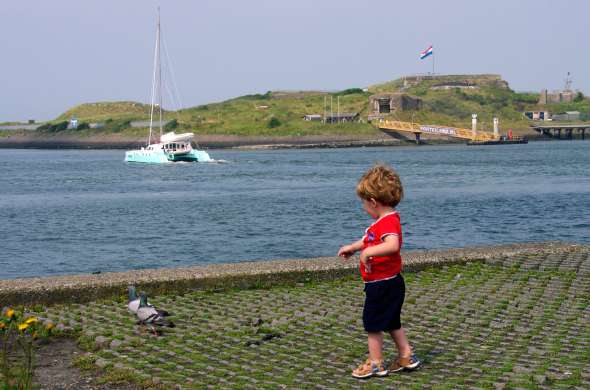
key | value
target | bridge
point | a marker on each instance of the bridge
(554, 130)
(417, 129)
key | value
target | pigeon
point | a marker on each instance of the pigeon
(133, 303)
(149, 315)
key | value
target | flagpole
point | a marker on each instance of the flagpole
(433, 61)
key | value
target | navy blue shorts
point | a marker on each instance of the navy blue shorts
(383, 304)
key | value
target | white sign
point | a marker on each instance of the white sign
(438, 130)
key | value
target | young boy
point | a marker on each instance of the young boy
(380, 190)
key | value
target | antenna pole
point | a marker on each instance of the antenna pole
(331, 109)
(568, 82)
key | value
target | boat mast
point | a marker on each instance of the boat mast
(159, 75)
(156, 52)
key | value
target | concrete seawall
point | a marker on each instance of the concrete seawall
(89, 287)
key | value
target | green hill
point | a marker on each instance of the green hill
(100, 111)
(446, 100)
(450, 100)
(277, 113)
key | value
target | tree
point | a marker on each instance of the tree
(579, 97)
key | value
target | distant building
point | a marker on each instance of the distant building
(566, 95)
(556, 97)
(96, 125)
(567, 116)
(460, 84)
(73, 123)
(457, 81)
(538, 115)
(312, 117)
(343, 117)
(384, 103)
(21, 126)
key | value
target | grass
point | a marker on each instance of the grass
(281, 113)
(101, 111)
(216, 334)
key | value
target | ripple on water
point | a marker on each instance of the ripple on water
(83, 211)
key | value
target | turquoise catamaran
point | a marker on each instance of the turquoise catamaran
(172, 147)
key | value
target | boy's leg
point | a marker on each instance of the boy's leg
(405, 360)
(401, 341)
(373, 366)
(375, 346)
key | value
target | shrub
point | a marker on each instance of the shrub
(421, 90)
(273, 122)
(258, 96)
(173, 124)
(526, 97)
(52, 128)
(579, 97)
(349, 91)
(118, 125)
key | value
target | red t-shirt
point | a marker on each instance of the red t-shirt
(383, 267)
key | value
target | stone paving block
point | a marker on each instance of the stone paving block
(509, 322)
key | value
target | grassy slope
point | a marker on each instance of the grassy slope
(101, 111)
(244, 116)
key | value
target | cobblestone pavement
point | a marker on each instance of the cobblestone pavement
(521, 321)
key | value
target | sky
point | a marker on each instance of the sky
(57, 54)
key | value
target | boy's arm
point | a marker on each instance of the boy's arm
(389, 246)
(350, 249)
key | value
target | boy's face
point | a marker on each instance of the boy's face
(371, 207)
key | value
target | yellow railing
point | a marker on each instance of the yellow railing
(449, 131)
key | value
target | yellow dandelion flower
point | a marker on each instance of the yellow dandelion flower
(49, 325)
(23, 326)
(9, 313)
(2, 325)
(31, 320)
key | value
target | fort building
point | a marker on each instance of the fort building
(385, 103)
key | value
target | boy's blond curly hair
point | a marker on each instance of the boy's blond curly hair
(381, 183)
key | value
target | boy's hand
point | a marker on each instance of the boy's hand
(366, 261)
(346, 251)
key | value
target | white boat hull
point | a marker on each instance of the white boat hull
(159, 156)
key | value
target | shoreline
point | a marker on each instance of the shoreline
(81, 288)
(116, 142)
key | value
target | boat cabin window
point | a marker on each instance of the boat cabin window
(176, 146)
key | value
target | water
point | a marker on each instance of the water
(80, 211)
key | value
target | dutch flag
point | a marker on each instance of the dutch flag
(426, 53)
